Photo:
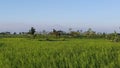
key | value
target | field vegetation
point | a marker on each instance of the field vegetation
(58, 49)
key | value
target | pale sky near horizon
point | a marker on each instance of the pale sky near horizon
(20, 15)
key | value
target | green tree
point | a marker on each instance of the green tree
(57, 33)
(75, 33)
(14, 33)
(90, 33)
(32, 31)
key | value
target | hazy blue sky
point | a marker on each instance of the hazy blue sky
(19, 15)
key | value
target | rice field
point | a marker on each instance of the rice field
(72, 53)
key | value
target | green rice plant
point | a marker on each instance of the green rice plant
(73, 53)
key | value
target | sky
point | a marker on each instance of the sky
(20, 15)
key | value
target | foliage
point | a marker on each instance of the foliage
(32, 31)
(74, 34)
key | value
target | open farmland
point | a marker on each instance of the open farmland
(72, 53)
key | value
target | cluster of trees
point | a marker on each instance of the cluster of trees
(71, 34)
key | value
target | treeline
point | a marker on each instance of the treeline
(89, 34)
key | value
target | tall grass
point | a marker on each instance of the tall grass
(73, 53)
